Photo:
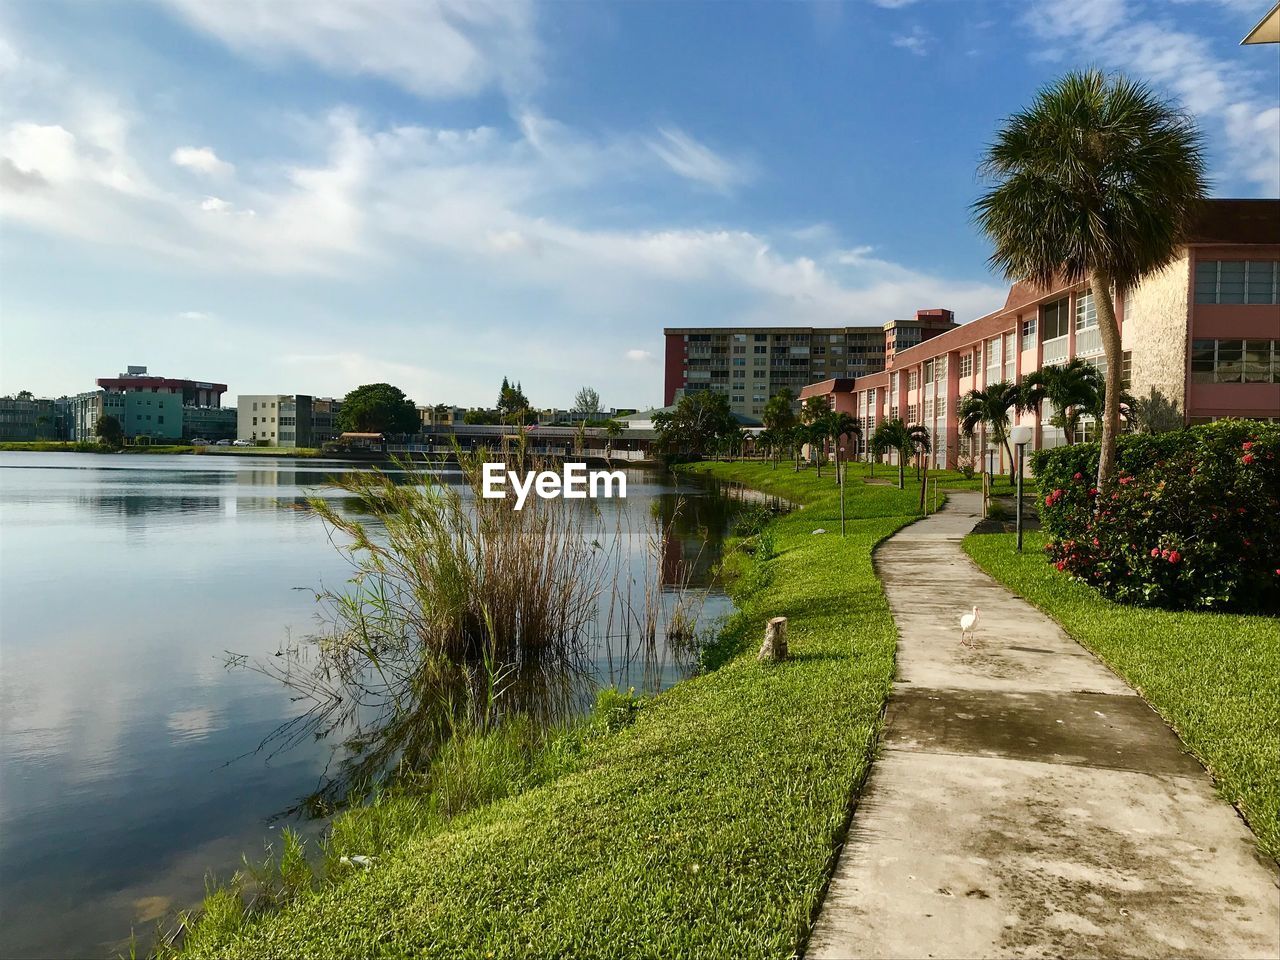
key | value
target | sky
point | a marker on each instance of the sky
(300, 196)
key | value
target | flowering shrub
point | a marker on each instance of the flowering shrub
(1192, 521)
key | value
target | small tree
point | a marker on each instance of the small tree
(109, 431)
(697, 425)
(922, 445)
(1154, 413)
(1070, 389)
(779, 411)
(513, 405)
(894, 435)
(587, 401)
(991, 407)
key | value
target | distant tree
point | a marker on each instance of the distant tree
(109, 431)
(586, 401)
(25, 395)
(512, 403)
(779, 412)
(481, 418)
(922, 445)
(698, 424)
(813, 408)
(1070, 389)
(837, 426)
(1098, 180)
(378, 408)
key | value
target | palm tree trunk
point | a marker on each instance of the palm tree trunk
(901, 467)
(924, 483)
(1110, 332)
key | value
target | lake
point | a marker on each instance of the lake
(129, 768)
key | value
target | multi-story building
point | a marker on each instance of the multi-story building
(751, 364)
(286, 420)
(146, 406)
(25, 417)
(208, 423)
(1204, 333)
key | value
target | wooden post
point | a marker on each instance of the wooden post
(774, 647)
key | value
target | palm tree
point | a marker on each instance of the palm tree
(1070, 389)
(921, 444)
(839, 425)
(1098, 180)
(797, 437)
(991, 407)
(897, 436)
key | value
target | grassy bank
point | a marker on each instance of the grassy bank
(1215, 678)
(704, 826)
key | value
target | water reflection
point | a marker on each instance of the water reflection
(123, 581)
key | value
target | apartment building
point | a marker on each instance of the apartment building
(751, 364)
(1204, 332)
(286, 420)
(25, 417)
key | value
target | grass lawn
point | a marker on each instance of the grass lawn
(1214, 677)
(705, 827)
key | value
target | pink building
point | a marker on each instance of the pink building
(1204, 332)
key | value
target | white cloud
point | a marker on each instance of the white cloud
(202, 160)
(696, 161)
(639, 356)
(194, 316)
(432, 48)
(1241, 114)
(917, 41)
(893, 4)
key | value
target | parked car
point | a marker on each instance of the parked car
(223, 443)
(199, 442)
(242, 443)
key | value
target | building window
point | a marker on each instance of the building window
(1086, 312)
(1029, 334)
(913, 380)
(1053, 319)
(1126, 369)
(1010, 364)
(913, 411)
(1237, 281)
(1235, 361)
(966, 364)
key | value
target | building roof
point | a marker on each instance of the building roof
(1267, 30)
(1238, 221)
(824, 387)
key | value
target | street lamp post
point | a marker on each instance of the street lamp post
(1021, 436)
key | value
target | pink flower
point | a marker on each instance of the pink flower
(1079, 476)
(1174, 556)
(1060, 565)
(1247, 458)
(1248, 445)
(1048, 501)
(1155, 551)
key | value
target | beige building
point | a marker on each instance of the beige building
(286, 420)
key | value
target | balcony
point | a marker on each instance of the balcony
(1055, 351)
(1088, 342)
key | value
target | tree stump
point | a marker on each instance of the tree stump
(774, 647)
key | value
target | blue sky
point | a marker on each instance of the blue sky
(304, 196)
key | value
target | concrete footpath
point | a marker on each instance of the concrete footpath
(1027, 803)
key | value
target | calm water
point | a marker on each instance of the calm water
(127, 763)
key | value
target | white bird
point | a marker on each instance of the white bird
(967, 624)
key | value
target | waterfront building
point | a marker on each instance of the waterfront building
(25, 417)
(286, 420)
(750, 364)
(208, 423)
(146, 406)
(1204, 333)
